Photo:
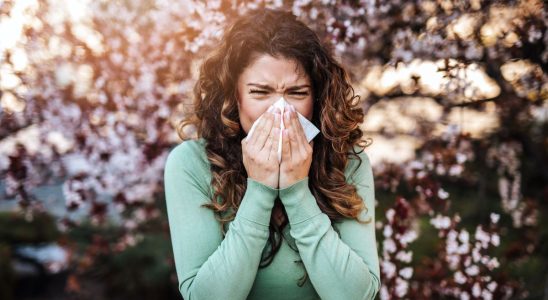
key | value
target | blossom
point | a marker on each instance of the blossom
(406, 272)
(494, 218)
(472, 270)
(404, 256)
(440, 222)
(389, 245)
(401, 287)
(459, 277)
(389, 269)
(387, 232)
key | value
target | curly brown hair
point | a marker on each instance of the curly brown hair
(337, 112)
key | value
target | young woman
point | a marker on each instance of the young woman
(247, 226)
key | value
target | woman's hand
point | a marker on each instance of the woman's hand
(259, 153)
(296, 151)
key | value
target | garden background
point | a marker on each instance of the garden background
(455, 96)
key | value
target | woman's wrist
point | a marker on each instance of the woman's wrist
(257, 203)
(299, 202)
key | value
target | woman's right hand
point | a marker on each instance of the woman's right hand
(260, 151)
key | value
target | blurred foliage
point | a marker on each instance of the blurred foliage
(16, 229)
(6, 272)
(143, 270)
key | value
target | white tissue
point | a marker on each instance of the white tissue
(310, 130)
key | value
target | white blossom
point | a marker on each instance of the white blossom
(459, 277)
(440, 222)
(402, 287)
(390, 215)
(494, 218)
(463, 236)
(389, 269)
(404, 256)
(387, 232)
(406, 272)
(476, 290)
(442, 194)
(473, 270)
(389, 245)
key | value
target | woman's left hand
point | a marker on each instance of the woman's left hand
(296, 151)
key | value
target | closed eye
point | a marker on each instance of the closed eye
(262, 92)
(258, 92)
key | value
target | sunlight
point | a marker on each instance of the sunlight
(8, 80)
(393, 150)
(19, 59)
(10, 103)
(514, 70)
(382, 81)
(482, 87)
(477, 123)
(463, 27)
(11, 28)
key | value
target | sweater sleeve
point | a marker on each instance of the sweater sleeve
(206, 264)
(339, 267)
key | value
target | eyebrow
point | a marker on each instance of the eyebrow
(267, 87)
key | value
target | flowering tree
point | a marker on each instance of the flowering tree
(91, 93)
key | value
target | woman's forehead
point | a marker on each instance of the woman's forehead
(275, 72)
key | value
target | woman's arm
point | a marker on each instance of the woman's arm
(339, 267)
(207, 266)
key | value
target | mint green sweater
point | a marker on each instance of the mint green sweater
(341, 262)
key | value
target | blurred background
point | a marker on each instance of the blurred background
(455, 99)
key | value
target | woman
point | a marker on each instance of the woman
(247, 226)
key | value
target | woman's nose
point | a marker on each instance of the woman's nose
(279, 98)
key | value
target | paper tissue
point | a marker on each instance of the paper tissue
(309, 129)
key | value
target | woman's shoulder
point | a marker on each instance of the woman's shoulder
(187, 170)
(189, 153)
(361, 153)
(358, 165)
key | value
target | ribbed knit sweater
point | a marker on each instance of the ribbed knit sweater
(340, 258)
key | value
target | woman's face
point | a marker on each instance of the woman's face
(267, 79)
